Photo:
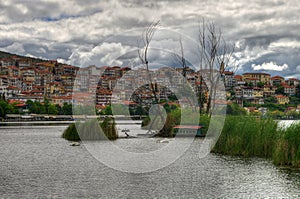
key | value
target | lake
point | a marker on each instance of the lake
(36, 163)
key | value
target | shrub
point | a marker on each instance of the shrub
(71, 133)
(90, 130)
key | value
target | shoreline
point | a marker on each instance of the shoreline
(35, 123)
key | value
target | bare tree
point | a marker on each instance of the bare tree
(147, 37)
(184, 91)
(182, 58)
(215, 55)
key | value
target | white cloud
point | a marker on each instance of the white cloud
(269, 66)
(250, 54)
(285, 43)
(72, 30)
(105, 54)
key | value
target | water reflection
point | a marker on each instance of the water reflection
(36, 162)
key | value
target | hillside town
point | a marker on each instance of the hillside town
(23, 79)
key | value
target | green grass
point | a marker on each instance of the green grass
(90, 130)
(287, 150)
(257, 137)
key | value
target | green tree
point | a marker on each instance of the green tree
(167, 107)
(46, 104)
(139, 110)
(260, 84)
(39, 108)
(106, 111)
(59, 109)
(270, 100)
(5, 108)
(235, 109)
(30, 106)
(298, 91)
(52, 109)
(294, 100)
(67, 109)
(280, 90)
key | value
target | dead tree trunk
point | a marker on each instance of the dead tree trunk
(147, 37)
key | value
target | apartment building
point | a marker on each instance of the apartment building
(254, 78)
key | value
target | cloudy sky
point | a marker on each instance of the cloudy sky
(266, 33)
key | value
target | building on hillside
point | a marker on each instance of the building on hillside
(60, 100)
(281, 99)
(257, 77)
(292, 81)
(103, 97)
(229, 79)
(252, 95)
(3, 92)
(289, 90)
(247, 92)
(276, 80)
(252, 110)
(186, 71)
(238, 79)
(269, 91)
(258, 92)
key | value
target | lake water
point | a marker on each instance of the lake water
(36, 163)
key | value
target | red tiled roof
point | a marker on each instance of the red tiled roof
(13, 67)
(277, 77)
(98, 106)
(104, 91)
(287, 86)
(68, 66)
(20, 105)
(62, 97)
(15, 101)
(129, 102)
(293, 79)
(187, 127)
(13, 88)
(280, 96)
(252, 78)
(251, 108)
(256, 74)
(228, 73)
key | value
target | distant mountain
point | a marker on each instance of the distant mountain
(7, 54)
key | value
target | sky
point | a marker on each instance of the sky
(266, 34)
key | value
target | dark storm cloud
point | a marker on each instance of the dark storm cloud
(20, 10)
(261, 40)
(17, 11)
(5, 42)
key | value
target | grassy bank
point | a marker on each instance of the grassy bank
(90, 130)
(250, 136)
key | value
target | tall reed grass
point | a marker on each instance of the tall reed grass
(287, 150)
(251, 136)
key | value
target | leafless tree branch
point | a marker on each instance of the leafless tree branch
(215, 55)
(147, 37)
